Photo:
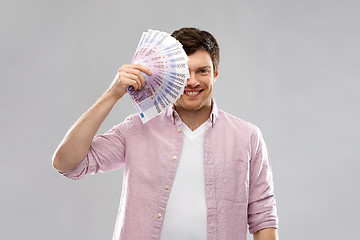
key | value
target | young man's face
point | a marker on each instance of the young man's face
(200, 85)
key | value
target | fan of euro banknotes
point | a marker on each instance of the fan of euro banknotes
(167, 60)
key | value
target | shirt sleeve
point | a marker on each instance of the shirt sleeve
(262, 211)
(106, 153)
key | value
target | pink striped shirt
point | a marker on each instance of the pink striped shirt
(238, 176)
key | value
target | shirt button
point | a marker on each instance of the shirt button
(179, 130)
(159, 215)
(174, 157)
(166, 187)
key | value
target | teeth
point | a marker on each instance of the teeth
(192, 93)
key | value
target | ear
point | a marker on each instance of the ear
(216, 74)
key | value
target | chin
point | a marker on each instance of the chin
(190, 106)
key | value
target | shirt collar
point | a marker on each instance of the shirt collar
(172, 114)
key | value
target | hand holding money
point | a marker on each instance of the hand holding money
(167, 60)
(128, 75)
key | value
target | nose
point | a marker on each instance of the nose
(191, 81)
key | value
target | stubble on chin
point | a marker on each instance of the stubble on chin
(181, 105)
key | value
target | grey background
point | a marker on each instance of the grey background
(290, 67)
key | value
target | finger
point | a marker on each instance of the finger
(139, 74)
(136, 69)
(143, 68)
(133, 78)
(134, 84)
(130, 82)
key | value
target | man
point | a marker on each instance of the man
(193, 172)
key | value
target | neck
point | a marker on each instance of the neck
(194, 118)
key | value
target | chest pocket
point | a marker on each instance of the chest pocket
(234, 180)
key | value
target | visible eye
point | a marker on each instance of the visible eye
(204, 71)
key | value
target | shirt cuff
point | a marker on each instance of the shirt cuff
(78, 171)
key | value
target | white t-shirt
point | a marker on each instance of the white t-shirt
(186, 212)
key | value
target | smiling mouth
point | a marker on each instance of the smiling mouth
(192, 93)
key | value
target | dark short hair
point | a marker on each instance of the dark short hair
(194, 39)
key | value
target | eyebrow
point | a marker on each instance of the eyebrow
(207, 67)
(203, 67)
